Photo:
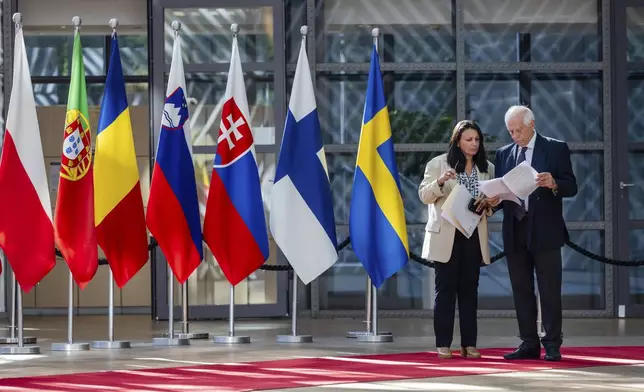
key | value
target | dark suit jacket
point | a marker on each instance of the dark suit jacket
(546, 227)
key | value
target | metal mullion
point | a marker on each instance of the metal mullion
(396, 67)
(535, 66)
(224, 67)
(173, 4)
(636, 147)
(458, 20)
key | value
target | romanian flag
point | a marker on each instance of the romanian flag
(377, 217)
(118, 210)
(74, 216)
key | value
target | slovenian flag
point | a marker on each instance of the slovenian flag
(173, 209)
(26, 229)
(118, 203)
(302, 221)
(234, 225)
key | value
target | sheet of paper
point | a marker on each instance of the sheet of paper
(494, 187)
(456, 212)
(522, 180)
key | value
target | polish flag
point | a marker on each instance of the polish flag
(26, 230)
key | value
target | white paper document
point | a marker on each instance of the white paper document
(519, 182)
(455, 211)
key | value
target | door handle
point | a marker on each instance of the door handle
(623, 185)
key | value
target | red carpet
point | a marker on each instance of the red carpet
(308, 372)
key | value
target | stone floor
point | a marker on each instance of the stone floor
(410, 335)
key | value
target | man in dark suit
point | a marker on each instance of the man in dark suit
(534, 232)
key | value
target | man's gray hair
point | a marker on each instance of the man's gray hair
(518, 110)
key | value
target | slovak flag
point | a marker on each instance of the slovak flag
(302, 219)
(234, 225)
(173, 209)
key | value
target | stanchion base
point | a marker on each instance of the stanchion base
(231, 339)
(107, 345)
(190, 335)
(376, 338)
(70, 347)
(294, 339)
(356, 334)
(24, 350)
(25, 340)
(170, 342)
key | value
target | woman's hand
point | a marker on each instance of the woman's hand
(446, 176)
(493, 201)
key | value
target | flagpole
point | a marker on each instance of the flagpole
(70, 345)
(12, 339)
(20, 349)
(373, 336)
(185, 328)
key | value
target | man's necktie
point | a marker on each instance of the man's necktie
(519, 210)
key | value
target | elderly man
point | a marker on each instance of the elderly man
(534, 232)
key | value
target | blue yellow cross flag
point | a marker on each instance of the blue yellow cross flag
(377, 217)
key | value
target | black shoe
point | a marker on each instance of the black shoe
(524, 352)
(552, 354)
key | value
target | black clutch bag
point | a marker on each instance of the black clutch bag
(472, 207)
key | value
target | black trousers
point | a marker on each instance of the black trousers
(459, 277)
(521, 265)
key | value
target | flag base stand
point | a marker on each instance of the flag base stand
(189, 335)
(294, 339)
(107, 345)
(68, 347)
(371, 338)
(357, 334)
(24, 350)
(231, 339)
(14, 340)
(170, 342)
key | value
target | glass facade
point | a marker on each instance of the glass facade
(442, 61)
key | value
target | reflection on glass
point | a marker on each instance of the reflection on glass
(635, 105)
(134, 54)
(205, 95)
(342, 287)
(52, 94)
(583, 279)
(208, 285)
(207, 37)
(51, 55)
(422, 106)
(635, 33)
(636, 281)
(295, 13)
(568, 107)
(411, 30)
(533, 30)
(588, 205)
(487, 98)
(636, 193)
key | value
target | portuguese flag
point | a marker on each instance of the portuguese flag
(74, 215)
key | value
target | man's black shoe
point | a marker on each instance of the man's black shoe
(524, 352)
(552, 354)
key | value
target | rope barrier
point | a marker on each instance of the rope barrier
(430, 264)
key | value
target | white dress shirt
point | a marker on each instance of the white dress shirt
(528, 156)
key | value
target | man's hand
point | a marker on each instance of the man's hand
(546, 180)
(493, 201)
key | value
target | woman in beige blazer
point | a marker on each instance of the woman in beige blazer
(457, 258)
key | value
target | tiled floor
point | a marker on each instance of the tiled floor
(410, 335)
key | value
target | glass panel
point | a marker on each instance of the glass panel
(51, 94)
(532, 30)
(487, 97)
(636, 192)
(342, 287)
(295, 12)
(207, 37)
(635, 105)
(588, 205)
(636, 274)
(134, 54)
(568, 107)
(51, 55)
(583, 279)
(635, 33)
(422, 106)
(411, 31)
(205, 100)
(208, 285)
(411, 167)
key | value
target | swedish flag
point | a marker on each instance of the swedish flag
(377, 218)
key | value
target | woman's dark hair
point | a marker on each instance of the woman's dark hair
(456, 158)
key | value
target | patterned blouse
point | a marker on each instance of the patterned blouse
(471, 182)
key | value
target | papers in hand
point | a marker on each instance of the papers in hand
(455, 211)
(519, 182)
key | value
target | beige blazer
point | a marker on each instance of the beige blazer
(439, 233)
